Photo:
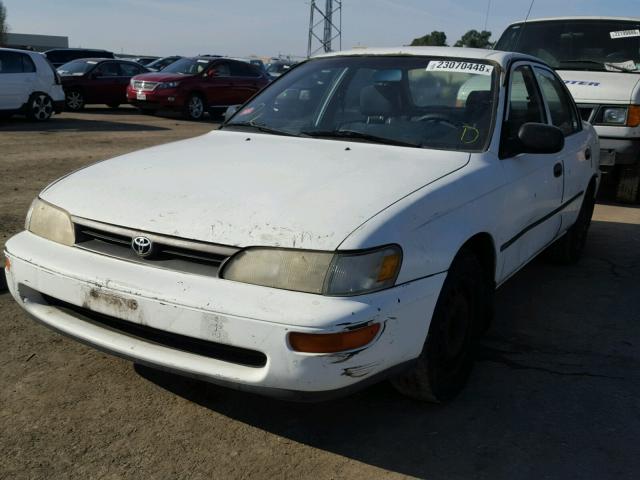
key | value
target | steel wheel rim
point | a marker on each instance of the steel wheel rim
(195, 107)
(42, 107)
(74, 100)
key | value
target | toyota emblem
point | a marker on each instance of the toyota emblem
(142, 246)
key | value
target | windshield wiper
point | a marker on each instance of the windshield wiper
(261, 128)
(350, 134)
(604, 65)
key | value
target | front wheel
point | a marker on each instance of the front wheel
(74, 100)
(40, 108)
(194, 109)
(446, 360)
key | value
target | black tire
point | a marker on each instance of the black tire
(40, 107)
(628, 188)
(568, 249)
(194, 109)
(445, 363)
(113, 105)
(74, 100)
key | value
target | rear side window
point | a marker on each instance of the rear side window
(15, 62)
(221, 69)
(241, 69)
(129, 70)
(108, 69)
(563, 114)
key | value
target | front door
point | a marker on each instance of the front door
(534, 182)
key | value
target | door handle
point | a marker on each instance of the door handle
(587, 154)
(557, 169)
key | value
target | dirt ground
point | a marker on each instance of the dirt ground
(555, 393)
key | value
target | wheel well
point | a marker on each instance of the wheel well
(483, 247)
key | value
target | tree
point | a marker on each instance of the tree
(475, 39)
(433, 39)
(3, 24)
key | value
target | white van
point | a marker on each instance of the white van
(29, 85)
(599, 60)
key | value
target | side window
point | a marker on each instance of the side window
(129, 70)
(27, 64)
(10, 62)
(525, 105)
(563, 113)
(241, 69)
(221, 69)
(108, 69)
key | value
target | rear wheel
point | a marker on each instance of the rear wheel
(40, 107)
(446, 360)
(568, 249)
(74, 100)
(194, 108)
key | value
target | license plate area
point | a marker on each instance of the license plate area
(141, 96)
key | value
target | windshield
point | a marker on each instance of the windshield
(162, 62)
(277, 68)
(77, 67)
(605, 45)
(187, 66)
(412, 101)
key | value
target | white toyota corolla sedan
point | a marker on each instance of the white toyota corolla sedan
(349, 223)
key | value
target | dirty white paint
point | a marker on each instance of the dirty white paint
(262, 190)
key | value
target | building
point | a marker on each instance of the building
(39, 43)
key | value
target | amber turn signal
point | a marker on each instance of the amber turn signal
(333, 342)
(7, 264)
(633, 117)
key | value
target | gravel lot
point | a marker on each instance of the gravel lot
(555, 393)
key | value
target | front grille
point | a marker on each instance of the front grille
(168, 252)
(219, 351)
(144, 86)
(587, 111)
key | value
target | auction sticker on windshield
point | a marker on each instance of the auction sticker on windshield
(459, 67)
(625, 33)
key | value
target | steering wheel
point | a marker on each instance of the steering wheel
(438, 118)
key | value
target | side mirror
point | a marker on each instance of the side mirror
(540, 138)
(231, 110)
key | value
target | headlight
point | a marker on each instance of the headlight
(335, 274)
(50, 222)
(615, 115)
(168, 85)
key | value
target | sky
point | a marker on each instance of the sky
(270, 28)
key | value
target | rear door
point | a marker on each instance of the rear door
(576, 155)
(244, 82)
(534, 182)
(104, 84)
(17, 75)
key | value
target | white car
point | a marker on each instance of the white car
(333, 233)
(29, 85)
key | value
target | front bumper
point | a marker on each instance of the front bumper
(222, 312)
(167, 100)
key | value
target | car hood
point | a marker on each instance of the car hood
(600, 87)
(161, 77)
(243, 189)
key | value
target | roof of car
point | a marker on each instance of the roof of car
(577, 17)
(77, 50)
(18, 50)
(498, 56)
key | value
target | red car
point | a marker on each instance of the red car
(97, 80)
(196, 85)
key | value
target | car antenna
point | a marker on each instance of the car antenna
(524, 24)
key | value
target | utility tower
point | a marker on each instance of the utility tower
(325, 26)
